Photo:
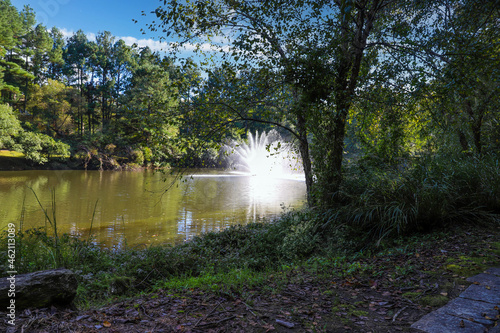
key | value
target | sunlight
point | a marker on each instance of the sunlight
(265, 156)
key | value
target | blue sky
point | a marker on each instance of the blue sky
(93, 16)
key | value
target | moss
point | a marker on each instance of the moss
(350, 309)
(412, 295)
(447, 286)
(496, 248)
(434, 300)
(468, 266)
(358, 313)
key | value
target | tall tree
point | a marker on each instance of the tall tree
(122, 56)
(104, 65)
(55, 55)
(318, 45)
(76, 55)
(12, 74)
(148, 102)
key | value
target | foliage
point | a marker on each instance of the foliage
(311, 47)
(9, 126)
(13, 24)
(419, 195)
(36, 147)
(104, 272)
(39, 148)
(51, 108)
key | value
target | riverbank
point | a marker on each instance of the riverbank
(14, 161)
(374, 289)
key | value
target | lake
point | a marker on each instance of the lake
(135, 207)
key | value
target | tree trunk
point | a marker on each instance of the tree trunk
(305, 156)
(476, 122)
(352, 48)
(463, 140)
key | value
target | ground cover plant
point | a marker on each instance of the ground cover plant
(384, 288)
(397, 233)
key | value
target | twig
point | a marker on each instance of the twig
(218, 322)
(285, 323)
(257, 317)
(144, 311)
(208, 314)
(248, 308)
(397, 313)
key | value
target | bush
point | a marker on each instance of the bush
(430, 192)
(39, 147)
(137, 156)
(9, 126)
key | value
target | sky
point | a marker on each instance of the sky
(94, 16)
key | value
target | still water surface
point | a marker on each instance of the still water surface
(133, 207)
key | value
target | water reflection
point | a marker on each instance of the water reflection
(133, 208)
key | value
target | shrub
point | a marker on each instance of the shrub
(39, 147)
(9, 126)
(429, 192)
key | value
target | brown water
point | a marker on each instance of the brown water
(133, 207)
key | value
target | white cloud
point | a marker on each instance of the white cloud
(155, 45)
(68, 33)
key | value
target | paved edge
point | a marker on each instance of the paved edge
(475, 310)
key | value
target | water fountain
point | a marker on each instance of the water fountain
(267, 155)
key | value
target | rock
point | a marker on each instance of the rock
(440, 322)
(39, 289)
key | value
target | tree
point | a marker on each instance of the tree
(467, 81)
(55, 55)
(445, 53)
(12, 75)
(147, 104)
(9, 126)
(319, 46)
(52, 108)
(34, 44)
(76, 56)
(103, 61)
(122, 56)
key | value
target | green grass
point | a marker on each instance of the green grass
(10, 153)
(235, 279)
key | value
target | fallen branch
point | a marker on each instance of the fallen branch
(397, 313)
(217, 322)
(285, 323)
(208, 314)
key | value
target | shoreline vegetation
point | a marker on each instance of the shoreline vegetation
(401, 238)
(260, 273)
(15, 161)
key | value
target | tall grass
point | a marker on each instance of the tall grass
(427, 193)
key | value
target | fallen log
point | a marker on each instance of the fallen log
(38, 289)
